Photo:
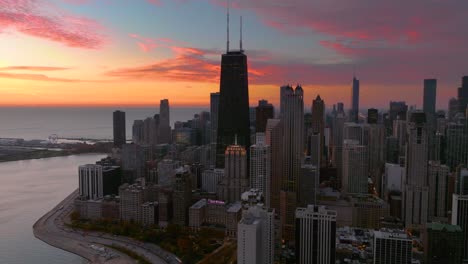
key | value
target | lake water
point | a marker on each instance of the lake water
(71, 122)
(28, 190)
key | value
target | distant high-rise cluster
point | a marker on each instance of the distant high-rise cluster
(305, 185)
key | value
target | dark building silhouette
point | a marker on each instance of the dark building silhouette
(119, 129)
(372, 116)
(398, 110)
(233, 115)
(214, 109)
(463, 96)
(354, 112)
(430, 93)
(164, 123)
(263, 112)
(318, 128)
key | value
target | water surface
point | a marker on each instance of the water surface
(29, 189)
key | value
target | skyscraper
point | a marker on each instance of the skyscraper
(416, 189)
(309, 181)
(233, 116)
(315, 235)
(164, 123)
(452, 108)
(256, 236)
(260, 167)
(398, 109)
(372, 116)
(442, 243)
(463, 96)
(438, 177)
(460, 218)
(214, 111)
(236, 179)
(263, 112)
(119, 129)
(354, 112)
(392, 248)
(355, 167)
(430, 93)
(318, 126)
(293, 152)
(274, 138)
(457, 143)
(182, 196)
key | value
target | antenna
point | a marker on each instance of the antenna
(241, 49)
(235, 140)
(227, 44)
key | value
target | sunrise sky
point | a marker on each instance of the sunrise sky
(135, 52)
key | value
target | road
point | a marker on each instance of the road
(92, 245)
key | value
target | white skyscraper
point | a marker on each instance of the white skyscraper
(460, 218)
(355, 167)
(391, 248)
(256, 236)
(91, 182)
(260, 167)
(315, 239)
(416, 189)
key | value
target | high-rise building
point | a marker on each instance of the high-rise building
(263, 112)
(438, 177)
(119, 129)
(355, 167)
(182, 196)
(392, 247)
(274, 139)
(309, 181)
(457, 143)
(91, 182)
(318, 126)
(214, 112)
(315, 235)
(442, 243)
(461, 180)
(293, 152)
(256, 236)
(138, 131)
(210, 179)
(354, 112)
(398, 110)
(235, 180)
(133, 162)
(463, 96)
(460, 218)
(416, 189)
(164, 123)
(260, 167)
(372, 116)
(452, 108)
(233, 115)
(430, 93)
(337, 142)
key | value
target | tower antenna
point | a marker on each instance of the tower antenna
(241, 49)
(227, 44)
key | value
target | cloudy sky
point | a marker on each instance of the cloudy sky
(134, 52)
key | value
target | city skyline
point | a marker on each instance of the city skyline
(77, 55)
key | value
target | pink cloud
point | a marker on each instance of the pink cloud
(32, 68)
(39, 19)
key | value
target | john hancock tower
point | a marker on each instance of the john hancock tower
(233, 115)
